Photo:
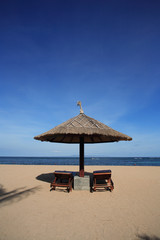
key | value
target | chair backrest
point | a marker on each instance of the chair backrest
(103, 174)
(63, 175)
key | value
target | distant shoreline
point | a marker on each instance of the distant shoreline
(90, 161)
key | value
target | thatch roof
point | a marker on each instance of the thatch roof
(92, 130)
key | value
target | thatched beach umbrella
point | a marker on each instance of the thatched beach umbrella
(82, 129)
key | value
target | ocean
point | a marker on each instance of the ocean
(110, 161)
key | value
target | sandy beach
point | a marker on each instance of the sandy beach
(28, 210)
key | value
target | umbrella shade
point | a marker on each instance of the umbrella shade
(82, 129)
(92, 130)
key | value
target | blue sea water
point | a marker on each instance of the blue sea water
(110, 161)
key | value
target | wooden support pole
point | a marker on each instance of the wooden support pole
(81, 158)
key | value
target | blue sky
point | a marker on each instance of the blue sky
(56, 52)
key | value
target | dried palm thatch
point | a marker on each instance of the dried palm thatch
(90, 129)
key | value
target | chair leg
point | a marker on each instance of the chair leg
(94, 188)
(52, 185)
(110, 184)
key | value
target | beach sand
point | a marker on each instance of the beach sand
(28, 210)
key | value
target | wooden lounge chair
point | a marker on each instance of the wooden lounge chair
(102, 179)
(62, 179)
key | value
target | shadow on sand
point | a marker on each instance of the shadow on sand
(49, 177)
(146, 237)
(46, 177)
(16, 194)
